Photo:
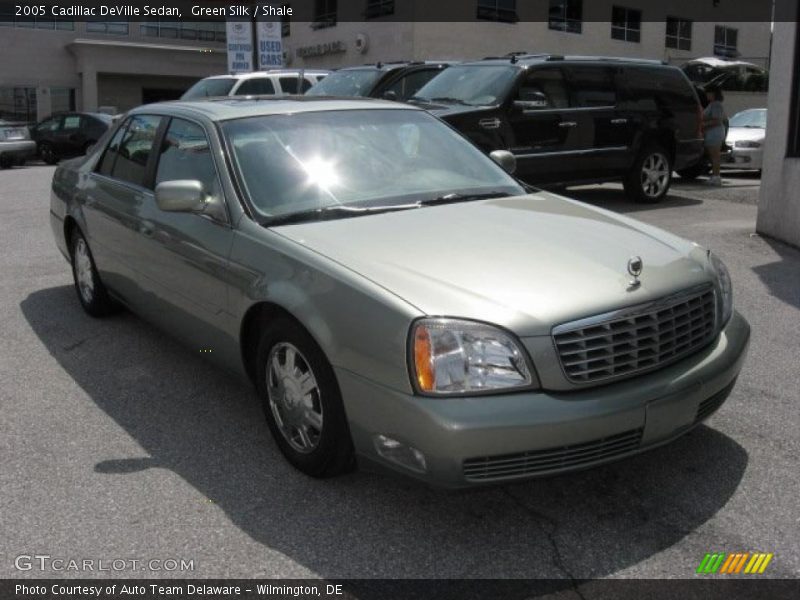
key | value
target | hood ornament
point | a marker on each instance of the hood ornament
(635, 266)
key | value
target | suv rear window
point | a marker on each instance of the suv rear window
(255, 87)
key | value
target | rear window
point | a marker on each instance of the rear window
(206, 88)
(660, 85)
(255, 87)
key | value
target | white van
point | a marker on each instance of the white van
(277, 82)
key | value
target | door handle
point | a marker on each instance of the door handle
(568, 124)
(619, 121)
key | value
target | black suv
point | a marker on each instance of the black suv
(389, 80)
(574, 119)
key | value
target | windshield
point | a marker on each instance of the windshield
(357, 158)
(750, 118)
(469, 84)
(206, 88)
(355, 82)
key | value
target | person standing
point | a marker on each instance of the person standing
(714, 132)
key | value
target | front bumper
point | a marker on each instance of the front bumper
(18, 150)
(742, 158)
(489, 439)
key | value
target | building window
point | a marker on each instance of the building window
(8, 19)
(504, 11)
(726, 41)
(324, 14)
(626, 24)
(109, 27)
(18, 104)
(203, 31)
(679, 33)
(286, 24)
(566, 15)
(379, 8)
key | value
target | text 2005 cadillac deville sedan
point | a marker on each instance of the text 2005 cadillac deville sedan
(398, 299)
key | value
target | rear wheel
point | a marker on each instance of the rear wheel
(649, 179)
(47, 153)
(302, 402)
(91, 292)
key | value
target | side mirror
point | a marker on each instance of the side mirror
(390, 95)
(505, 159)
(182, 195)
(533, 100)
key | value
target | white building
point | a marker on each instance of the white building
(349, 32)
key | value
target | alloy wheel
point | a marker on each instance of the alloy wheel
(294, 397)
(655, 175)
(84, 274)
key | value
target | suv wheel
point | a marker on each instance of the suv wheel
(91, 292)
(302, 402)
(651, 175)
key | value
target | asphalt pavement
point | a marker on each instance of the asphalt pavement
(119, 443)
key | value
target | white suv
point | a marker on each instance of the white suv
(274, 82)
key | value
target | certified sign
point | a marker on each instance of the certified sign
(240, 46)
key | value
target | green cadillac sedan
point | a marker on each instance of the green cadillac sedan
(397, 298)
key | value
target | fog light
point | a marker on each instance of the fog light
(400, 454)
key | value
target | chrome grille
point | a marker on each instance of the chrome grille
(638, 339)
(509, 466)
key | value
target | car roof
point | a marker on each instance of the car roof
(714, 61)
(522, 60)
(396, 64)
(233, 107)
(272, 72)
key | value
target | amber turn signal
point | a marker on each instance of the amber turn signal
(423, 359)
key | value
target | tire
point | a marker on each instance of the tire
(92, 294)
(695, 171)
(47, 153)
(310, 427)
(650, 177)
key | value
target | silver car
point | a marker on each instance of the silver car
(397, 298)
(747, 131)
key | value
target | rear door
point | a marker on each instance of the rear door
(603, 133)
(113, 205)
(543, 126)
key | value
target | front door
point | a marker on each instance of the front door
(184, 256)
(543, 126)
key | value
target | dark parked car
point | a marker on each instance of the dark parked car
(68, 134)
(391, 80)
(576, 119)
(729, 75)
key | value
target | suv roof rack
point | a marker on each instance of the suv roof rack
(646, 61)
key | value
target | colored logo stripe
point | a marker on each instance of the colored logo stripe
(721, 562)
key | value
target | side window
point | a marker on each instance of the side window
(307, 85)
(256, 87)
(112, 150)
(409, 84)
(288, 84)
(48, 126)
(544, 89)
(71, 122)
(591, 87)
(135, 148)
(185, 154)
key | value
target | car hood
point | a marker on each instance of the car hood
(525, 263)
(736, 134)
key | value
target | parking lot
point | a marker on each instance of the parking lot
(117, 442)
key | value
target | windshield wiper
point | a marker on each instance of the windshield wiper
(450, 100)
(451, 198)
(337, 211)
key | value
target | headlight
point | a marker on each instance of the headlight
(453, 356)
(747, 144)
(725, 287)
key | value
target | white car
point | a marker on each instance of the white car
(16, 145)
(745, 141)
(275, 82)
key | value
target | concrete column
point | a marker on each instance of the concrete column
(89, 101)
(779, 201)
